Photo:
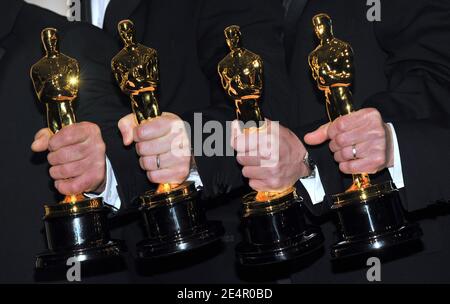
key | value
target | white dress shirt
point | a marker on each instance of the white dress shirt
(98, 10)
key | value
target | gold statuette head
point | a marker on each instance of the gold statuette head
(233, 37)
(323, 26)
(241, 71)
(56, 81)
(127, 32)
(136, 70)
(135, 67)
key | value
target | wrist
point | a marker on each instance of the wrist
(310, 166)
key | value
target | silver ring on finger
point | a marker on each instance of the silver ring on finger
(158, 162)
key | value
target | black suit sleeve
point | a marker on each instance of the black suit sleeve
(414, 35)
(100, 102)
(424, 150)
(417, 42)
(261, 25)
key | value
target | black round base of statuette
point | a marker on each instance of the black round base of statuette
(175, 223)
(83, 254)
(275, 231)
(154, 248)
(371, 220)
(76, 230)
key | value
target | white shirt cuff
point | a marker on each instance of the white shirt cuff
(314, 187)
(396, 171)
(110, 194)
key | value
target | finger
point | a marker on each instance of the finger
(68, 154)
(263, 186)
(346, 153)
(154, 147)
(364, 165)
(255, 172)
(41, 139)
(250, 141)
(318, 136)
(171, 176)
(166, 161)
(246, 160)
(71, 186)
(257, 185)
(349, 138)
(73, 134)
(350, 121)
(154, 128)
(126, 126)
(69, 170)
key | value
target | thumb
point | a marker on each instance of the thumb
(318, 136)
(41, 139)
(126, 126)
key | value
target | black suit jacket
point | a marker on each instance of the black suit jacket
(25, 183)
(403, 69)
(189, 38)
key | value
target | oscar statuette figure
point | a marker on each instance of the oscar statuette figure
(76, 227)
(174, 219)
(274, 227)
(371, 216)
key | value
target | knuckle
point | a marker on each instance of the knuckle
(344, 168)
(245, 172)
(53, 172)
(140, 148)
(152, 176)
(340, 139)
(340, 125)
(337, 157)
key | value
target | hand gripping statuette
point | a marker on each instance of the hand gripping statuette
(274, 225)
(175, 222)
(77, 226)
(371, 215)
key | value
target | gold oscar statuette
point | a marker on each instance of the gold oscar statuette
(180, 224)
(75, 227)
(273, 222)
(332, 68)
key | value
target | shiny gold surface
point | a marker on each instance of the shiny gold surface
(136, 70)
(241, 75)
(332, 68)
(153, 199)
(56, 79)
(363, 195)
(73, 208)
(276, 203)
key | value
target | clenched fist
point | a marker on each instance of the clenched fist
(272, 156)
(361, 141)
(76, 156)
(162, 144)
